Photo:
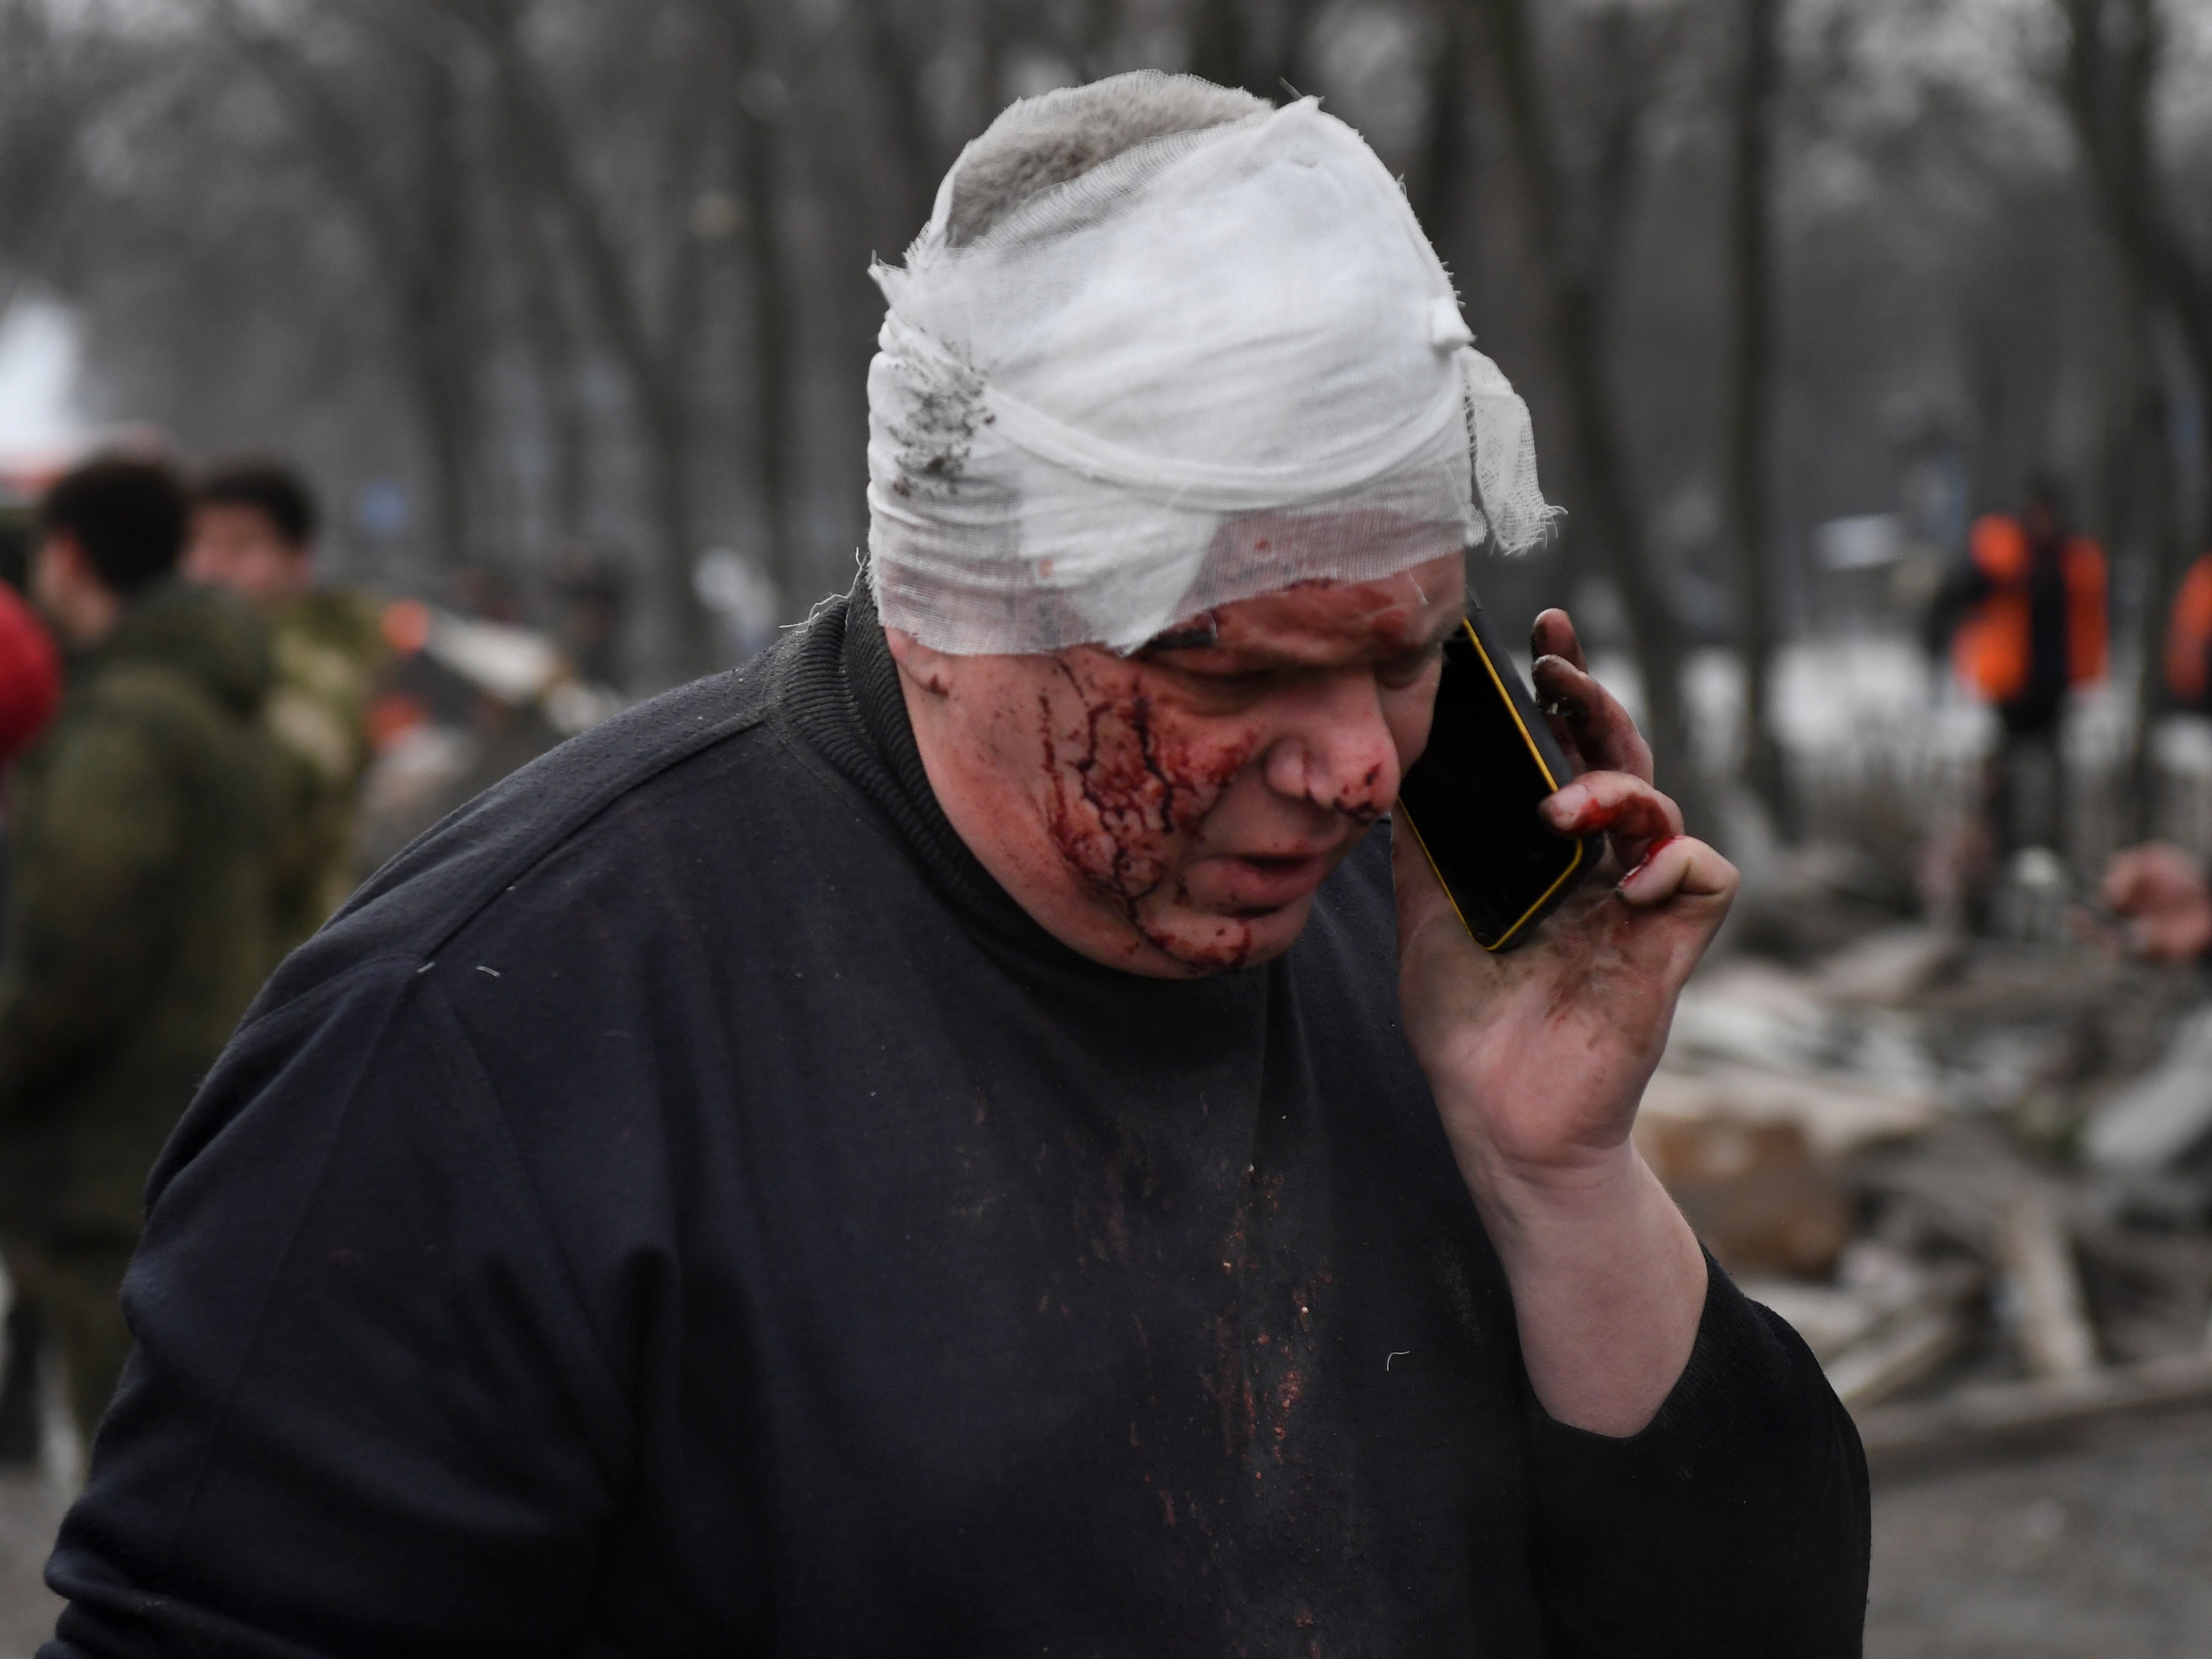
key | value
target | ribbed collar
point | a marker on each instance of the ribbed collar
(839, 690)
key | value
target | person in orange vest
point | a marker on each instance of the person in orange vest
(2026, 619)
(2188, 641)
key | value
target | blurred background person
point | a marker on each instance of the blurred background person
(30, 663)
(138, 924)
(253, 530)
(2188, 641)
(2024, 617)
(30, 691)
(592, 599)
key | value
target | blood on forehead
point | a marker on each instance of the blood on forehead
(1325, 623)
(1333, 570)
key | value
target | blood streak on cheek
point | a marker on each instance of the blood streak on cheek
(1125, 787)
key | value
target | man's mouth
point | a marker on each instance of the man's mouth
(1256, 882)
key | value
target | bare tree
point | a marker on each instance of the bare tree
(1259, 48)
(407, 185)
(654, 354)
(1574, 265)
(1749, 453)
(892, 36)
(554, 344)
(770, 67)
(46, 88)
(2108, 78)
(1437, 184)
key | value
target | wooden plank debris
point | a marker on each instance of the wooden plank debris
(2055, 1338)
(1877, 1337)
(2163, 1115)
(1993, 1412)
(1752, 1190)
(1890, 968)
(1838, 1115)
(1894, 1360)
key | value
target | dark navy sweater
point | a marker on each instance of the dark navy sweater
(683, 1206)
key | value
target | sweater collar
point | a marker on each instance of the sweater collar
(840, 692)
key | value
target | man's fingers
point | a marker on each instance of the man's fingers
(1679, 866)
(1554, 636)
(1586, 718)
(1563, 713)
(1626, 808)
(1604, 738)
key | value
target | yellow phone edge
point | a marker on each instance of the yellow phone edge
(1574, 865)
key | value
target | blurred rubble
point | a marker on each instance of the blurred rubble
(468, 700)
(1975, 1174)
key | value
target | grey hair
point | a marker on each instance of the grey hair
(1038, 143)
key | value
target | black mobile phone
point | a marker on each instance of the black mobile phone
(1471, 799)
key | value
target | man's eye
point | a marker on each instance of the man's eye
(1246, 683)
(1399, 672)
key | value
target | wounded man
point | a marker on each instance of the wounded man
(968, 1136)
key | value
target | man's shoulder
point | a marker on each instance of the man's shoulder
(562, 800)
(338, 618)
(152, 704)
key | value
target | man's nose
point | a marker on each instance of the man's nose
(1335, 749)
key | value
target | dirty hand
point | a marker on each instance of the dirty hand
(1539, 1057)
(2162, 892)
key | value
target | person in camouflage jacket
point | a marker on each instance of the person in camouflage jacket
(139, 924)
(253, 533)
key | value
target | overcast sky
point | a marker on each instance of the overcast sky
(38, 378)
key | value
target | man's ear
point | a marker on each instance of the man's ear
(924, 666)
(61, 563)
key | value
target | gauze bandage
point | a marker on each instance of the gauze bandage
(1221, 363)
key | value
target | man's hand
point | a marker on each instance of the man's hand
(1539, 1058)
(2162, 892)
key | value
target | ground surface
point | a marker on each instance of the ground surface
(2097, 1549)
(30, 1508)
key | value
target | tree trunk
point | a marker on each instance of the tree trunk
(1751, 406)
(772, 319)
(1439, 178)
(1219, 43)
(895, 67)
(417, 240)
(2192, 307)
(773, 310)
(444, 330)
(655, 376)
(555, 359)
(2108, 80)
(1574, 328)
(2164, 559)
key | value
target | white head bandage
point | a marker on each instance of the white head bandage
(1219, 364)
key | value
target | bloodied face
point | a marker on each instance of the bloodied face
(1173, 812)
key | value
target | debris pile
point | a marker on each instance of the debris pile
(1975, 1175)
